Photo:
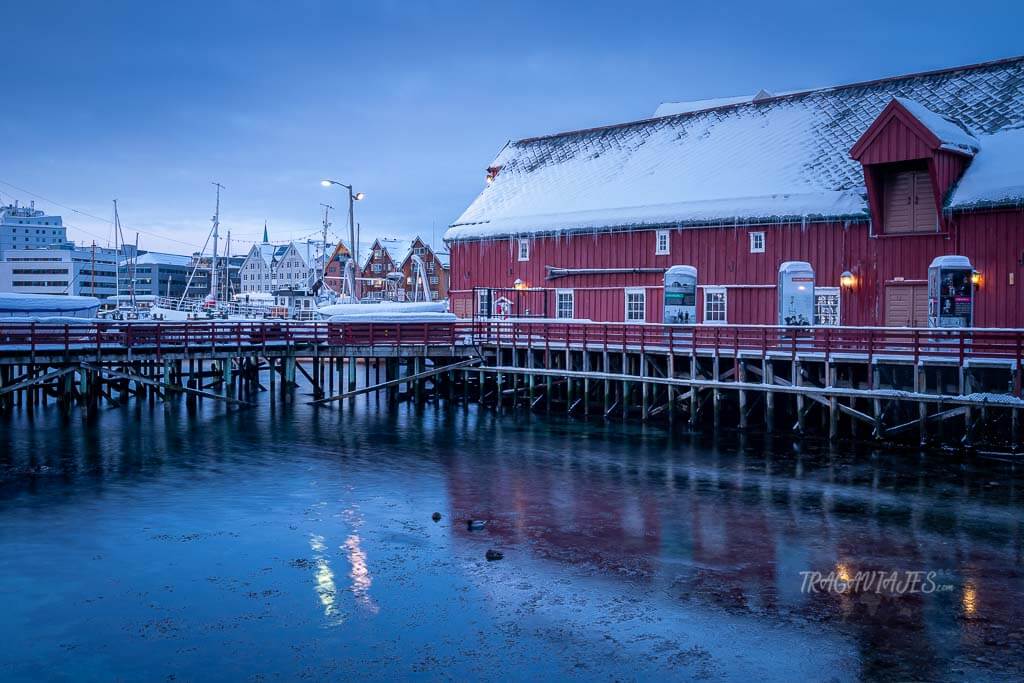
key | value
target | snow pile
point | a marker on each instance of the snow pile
(996, 175)
(35, 305)
(949, 133)
(389, 307)
(782, 159)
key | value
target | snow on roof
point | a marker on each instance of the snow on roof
(397, 249)
(783, 158)
(996, 175)
(443, 257)
(950, 261)
(672, 108)
(949, 132)
(158, 258)
(47, 304)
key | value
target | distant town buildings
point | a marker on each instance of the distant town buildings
(272, 267)
(90, 271)
(24, 227)
(389, 269)
(155, 273)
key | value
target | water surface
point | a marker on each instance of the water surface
(287, 542)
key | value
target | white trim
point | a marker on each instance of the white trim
(642, 291)
(725, 301)
(754, 237)
(572, 302)
(522, 245)
(658, 251)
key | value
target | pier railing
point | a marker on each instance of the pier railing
(728, 340)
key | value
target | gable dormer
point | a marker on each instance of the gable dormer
(911, 157)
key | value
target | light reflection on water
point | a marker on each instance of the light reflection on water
(159, 542)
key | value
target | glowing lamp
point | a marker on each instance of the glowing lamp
(358, 195)
(325, 183)
(975, 278)
(847, 280)
(519, 284)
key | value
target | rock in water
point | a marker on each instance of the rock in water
(493, 555)
(436, 516)
(475, 524)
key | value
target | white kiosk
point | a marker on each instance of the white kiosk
(796, 293)
(950, 292)
(681, 295)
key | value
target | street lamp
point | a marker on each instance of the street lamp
(353, 197)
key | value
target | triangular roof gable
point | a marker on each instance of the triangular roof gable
(412, 246)
(897, 115)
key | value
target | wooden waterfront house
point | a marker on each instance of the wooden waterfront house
(867, 183)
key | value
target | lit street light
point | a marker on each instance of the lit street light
(353, 197)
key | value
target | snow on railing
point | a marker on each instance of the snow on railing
(723, 340)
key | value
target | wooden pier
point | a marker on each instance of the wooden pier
(934, 387)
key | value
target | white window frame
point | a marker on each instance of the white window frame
(523, 250)
(756, 237)
(572, 303)
(643, 314)
(831, 291)
(484, 296)
(660, 250)
(725, 305)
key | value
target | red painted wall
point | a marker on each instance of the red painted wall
(994, 241)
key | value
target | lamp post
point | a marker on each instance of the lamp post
(353, 197)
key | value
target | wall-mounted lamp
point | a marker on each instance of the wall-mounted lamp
(847, 280)
(518, 284)
(976, 278)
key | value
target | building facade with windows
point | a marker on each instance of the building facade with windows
(159, 274)
(25, 227)
(867, 184)
(270, 267)
(87, 271)
(436, 266)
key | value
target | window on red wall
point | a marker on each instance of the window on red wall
(909, 201)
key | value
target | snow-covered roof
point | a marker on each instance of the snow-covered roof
(782, 158)
(672, 108)
(950, 133)
(996, 176)
(444, 258)
(158, 258)
(17, 304)
(397, 249)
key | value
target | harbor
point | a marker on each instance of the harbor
(954, 389)
(512, 342)
(289, 541)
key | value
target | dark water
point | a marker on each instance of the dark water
(283, 543)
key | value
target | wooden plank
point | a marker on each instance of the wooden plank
(37, 379)
(156, 383)
(399, 380)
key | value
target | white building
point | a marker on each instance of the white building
(77, 271)
(23, 227)
(269, 267)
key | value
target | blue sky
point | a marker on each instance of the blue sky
(409, 101)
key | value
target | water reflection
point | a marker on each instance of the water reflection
(360, 573)
(604, 528)
(325, 588)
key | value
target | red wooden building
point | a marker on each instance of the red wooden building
(867, 183)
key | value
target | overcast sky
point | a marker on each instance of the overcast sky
(409, 101)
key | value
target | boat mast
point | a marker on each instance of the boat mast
(327, 224)
(216, 224)
(117, 257)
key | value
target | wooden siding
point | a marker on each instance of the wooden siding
(994, 241)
